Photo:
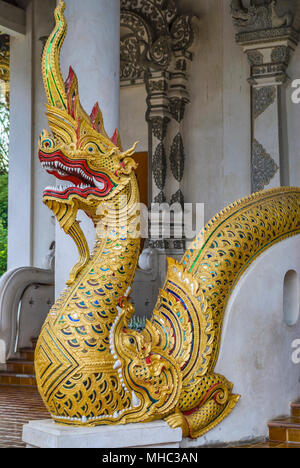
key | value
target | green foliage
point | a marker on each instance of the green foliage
(4, 199)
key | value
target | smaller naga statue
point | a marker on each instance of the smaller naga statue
(91, 367)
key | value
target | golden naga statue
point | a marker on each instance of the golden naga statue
(91, 367)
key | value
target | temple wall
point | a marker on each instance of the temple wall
(216, 128)
(293, 119)
(217, 123)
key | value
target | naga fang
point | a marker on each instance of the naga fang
(91, 367)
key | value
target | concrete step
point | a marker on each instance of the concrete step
(20, 372)
(27, 354)
(19, 366)
(295, 409)
(284, 430)
(20, 380)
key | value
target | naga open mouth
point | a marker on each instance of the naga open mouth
(81, 179)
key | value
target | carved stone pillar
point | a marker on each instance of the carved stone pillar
(178, 99)
(158, 118)
(268, 34)
(155, 42)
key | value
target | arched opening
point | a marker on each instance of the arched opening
(291, 298)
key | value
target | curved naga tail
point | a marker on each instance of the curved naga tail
(189, 313)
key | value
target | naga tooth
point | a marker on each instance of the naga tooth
(117, 365)
(135, 400)
(99, 185)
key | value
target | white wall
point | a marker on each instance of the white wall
(133, 125)
(217, 122)
(30, 230)
(293, 122)
(256, 348)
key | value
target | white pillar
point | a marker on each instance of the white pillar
(30, 231)
(92, 48)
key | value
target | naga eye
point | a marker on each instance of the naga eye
(90, 149)
(131, 340)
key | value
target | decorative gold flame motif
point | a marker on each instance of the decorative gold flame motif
(91, 368)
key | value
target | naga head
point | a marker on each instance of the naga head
(79, 151)
(145, 367)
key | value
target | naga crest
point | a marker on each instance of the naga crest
(92, 368)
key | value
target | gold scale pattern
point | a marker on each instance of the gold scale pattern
(91, 367)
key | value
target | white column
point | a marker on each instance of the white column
(30, 231)
(92, 48)
(20, 150)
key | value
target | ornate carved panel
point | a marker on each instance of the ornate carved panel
(159, 166)
(259, 15)
(262, 99)
(152, 31)
(268, 31)
(177, 157)
(155, 43)
(264, 167)
(159, 127)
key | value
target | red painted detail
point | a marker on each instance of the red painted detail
(114, 138)
(194, 410)
(81, 164)
(69, 82)
(70, 79)
(95, 112)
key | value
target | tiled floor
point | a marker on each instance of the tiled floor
(18, 405)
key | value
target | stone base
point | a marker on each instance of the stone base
(47, 434)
